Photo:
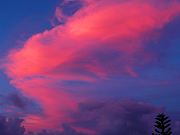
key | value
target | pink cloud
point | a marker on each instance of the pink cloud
(83, 50)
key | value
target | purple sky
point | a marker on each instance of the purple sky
(63, 60)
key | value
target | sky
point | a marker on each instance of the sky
(81, 64)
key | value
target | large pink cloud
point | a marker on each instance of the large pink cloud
(100, 40)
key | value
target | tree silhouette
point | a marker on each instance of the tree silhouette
(162, 125)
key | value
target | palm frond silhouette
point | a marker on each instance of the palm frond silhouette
(162, 125)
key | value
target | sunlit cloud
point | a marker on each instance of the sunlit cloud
(101, 40)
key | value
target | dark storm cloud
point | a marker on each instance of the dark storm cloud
(17, 105)
(18, 101)
(127, 117)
